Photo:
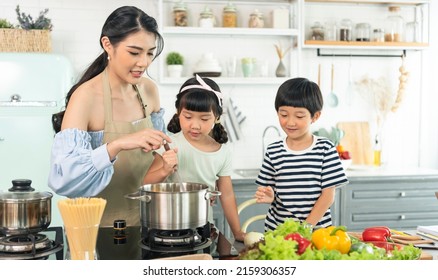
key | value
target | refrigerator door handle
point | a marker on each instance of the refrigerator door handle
(28, 103)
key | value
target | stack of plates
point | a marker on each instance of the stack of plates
(207, 66)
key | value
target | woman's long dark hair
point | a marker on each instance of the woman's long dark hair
(121, 23)
(199, 100)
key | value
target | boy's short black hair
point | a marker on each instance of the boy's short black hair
(300, 92)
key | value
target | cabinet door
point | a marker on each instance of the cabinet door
(400, 203)
(243, 191)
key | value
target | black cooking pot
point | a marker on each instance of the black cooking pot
(24, 211)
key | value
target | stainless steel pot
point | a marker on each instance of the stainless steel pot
(24, 211)
(167, 206)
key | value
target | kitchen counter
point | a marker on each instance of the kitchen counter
(428, 254)
(354, 172)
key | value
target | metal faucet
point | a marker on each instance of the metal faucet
(263, 137)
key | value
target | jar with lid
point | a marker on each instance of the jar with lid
(229, 16)
(378, 35)
(317, 31)
(345, 30)
(394, 25)
(180, 14)
(256, 19)
(363, 32)
(206, 18)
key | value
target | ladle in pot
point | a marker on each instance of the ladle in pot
(181, 185)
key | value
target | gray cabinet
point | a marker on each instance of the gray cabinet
(400, 202)
(244, 189)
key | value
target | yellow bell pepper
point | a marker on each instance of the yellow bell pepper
(332, 238)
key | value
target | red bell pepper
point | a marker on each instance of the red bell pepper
(303, 242)
(376, 234)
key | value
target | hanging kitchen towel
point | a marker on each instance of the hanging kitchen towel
(233, 118)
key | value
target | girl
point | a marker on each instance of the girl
(199, 137)
(112, 119)
(300, 173)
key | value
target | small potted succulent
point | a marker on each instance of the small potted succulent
(174, 61)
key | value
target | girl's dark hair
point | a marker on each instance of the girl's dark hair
(199, 100)
(121, 23)
(300, 92)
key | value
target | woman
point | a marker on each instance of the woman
(106, 134)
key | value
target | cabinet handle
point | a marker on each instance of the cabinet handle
(402, 217)
(402, 194)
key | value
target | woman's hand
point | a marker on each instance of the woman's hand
(264, 195)
(147, 139)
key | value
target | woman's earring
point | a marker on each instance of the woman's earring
(108, 57)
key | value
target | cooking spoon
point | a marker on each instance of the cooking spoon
(332, 98)
(182, 187)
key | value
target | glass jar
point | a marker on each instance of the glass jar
(413, 32)
(206, 18)
(317, 31)
(331, 30)
(394, 25)
(180, 14)
(363, 32)
(378, 35)
(229, 16)
(345, 30)
(256, 20)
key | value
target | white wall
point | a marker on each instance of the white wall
(411, 133)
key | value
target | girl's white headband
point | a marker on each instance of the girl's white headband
(203, 85)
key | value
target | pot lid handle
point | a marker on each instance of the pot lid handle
(21, 185)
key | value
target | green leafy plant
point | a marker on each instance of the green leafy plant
(27, 22)
(174, 58)
(5, 24)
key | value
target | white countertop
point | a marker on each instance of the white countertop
(353, 171)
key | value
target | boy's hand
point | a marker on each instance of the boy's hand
(264, 195)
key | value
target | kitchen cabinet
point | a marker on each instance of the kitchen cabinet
(397, 201)
(192, 40)
(244, 189)
(373, 12)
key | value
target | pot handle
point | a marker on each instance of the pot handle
(137, 195)
(209, 194)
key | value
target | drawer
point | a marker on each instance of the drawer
(356, 220)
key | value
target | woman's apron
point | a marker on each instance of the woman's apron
(129, 168)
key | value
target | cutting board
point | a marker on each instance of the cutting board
(357, 141)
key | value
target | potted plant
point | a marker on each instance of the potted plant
(174, 61)
(30, 35)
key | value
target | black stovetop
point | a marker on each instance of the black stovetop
(111, 245)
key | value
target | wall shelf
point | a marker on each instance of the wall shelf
(229, 81)
(229, 31)
(365, 45)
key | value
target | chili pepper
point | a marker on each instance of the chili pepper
(376, 234)
(303, 242)
(361, 247)
(332, 238)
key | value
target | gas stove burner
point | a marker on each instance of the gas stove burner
(24, 243)
(178, 238)
(29, 246)
(175, 241)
